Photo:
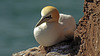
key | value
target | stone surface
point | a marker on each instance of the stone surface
(89, 29)
(64, 48)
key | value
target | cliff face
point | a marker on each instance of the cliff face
(89, 29)
(86, 37)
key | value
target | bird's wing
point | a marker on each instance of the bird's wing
(67, 23)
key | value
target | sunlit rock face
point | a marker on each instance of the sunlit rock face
(89, 29)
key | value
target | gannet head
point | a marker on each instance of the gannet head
(49, 14)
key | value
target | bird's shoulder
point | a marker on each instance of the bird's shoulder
(66, 20)
(64, 17)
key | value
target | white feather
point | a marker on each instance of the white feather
(67, 23)
(48, 34)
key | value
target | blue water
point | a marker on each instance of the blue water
(18, 18)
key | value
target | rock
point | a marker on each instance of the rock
(56, 54)
(31, 52)
(63, 48)
(53, 54)
(89, 29)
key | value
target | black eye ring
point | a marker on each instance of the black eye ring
(48, 16)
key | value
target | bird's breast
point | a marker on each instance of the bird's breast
(47, 33)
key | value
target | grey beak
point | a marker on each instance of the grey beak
(42, 20)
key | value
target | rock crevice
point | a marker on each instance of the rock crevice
(89, 29)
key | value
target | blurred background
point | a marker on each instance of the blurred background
(18, 18)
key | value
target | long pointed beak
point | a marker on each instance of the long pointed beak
(42, 20)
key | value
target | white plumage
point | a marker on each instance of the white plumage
(51, 32)
(67, 23)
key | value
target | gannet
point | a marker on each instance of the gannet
(53, 27)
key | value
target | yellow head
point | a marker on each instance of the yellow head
(49, 14)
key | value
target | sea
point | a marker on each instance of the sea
(19, 17)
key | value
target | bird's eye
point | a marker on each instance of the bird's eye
(48, 16)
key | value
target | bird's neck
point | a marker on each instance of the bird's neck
(48, 25)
